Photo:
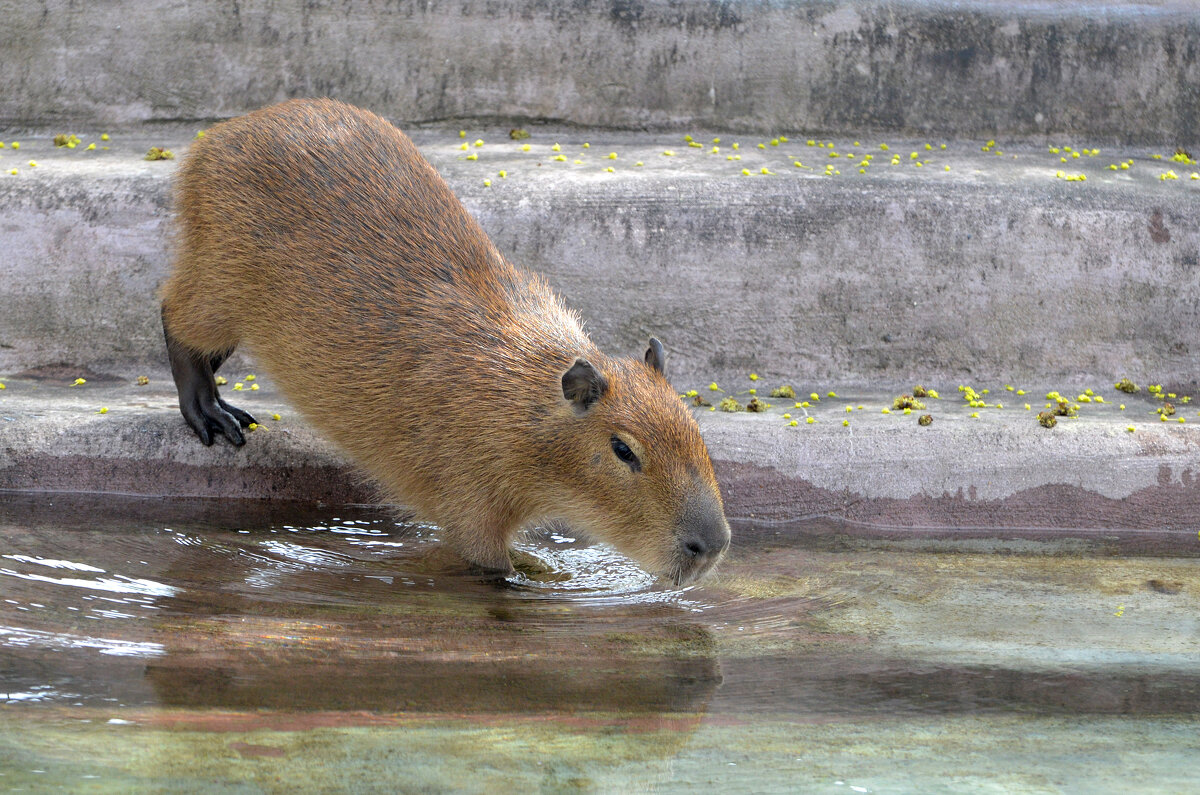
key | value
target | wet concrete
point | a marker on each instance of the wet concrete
(1089, 477)
(243, 648)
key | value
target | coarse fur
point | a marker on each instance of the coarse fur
(315, 234)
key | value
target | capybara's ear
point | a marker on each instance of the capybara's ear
(583, 384)
(656, 357)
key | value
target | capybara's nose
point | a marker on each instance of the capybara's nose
(708, 540)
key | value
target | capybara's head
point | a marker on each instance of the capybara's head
(633, 469)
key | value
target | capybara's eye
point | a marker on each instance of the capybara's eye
(622, 451)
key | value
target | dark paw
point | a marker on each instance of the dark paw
(243, 417)
(209, 418)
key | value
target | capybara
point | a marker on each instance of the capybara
(316, 234)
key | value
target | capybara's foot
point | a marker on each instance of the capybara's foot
(211, 415)
(199, 402)
(244, 418)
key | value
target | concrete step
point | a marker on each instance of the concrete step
(994, 269)
(1120, 71)
(995, 475)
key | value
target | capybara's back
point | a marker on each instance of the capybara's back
(315, 234)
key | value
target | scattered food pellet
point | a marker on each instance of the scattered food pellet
(784, 392)
(158, 153)
(907, 402)
(79, 382)
(103, 410)
(1125, 385)
(731, 404)
(276, 417)
(142, 380)
(221, 380)
(518, 134)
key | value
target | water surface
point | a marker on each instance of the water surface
(207, 646)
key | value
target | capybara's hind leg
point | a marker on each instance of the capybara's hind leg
(199, 402)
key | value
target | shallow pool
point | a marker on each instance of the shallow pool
(208, 646)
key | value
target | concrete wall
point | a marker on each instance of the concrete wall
(1109, 72)
(994, 270)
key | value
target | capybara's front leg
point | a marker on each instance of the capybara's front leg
(199, 402)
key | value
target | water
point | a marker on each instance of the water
(207, 646)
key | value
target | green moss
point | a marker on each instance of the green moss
(730, 404)
(924, 420)
(518, 134)
(756, 405)
(1125, 385)
(784, 392)
(1047, 419)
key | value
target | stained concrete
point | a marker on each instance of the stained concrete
(1124, 71)
(995, 269)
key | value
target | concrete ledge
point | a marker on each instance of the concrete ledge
(994, 269)
(1123, 71)
(1000, 474)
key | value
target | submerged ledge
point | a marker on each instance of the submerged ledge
(996, 474)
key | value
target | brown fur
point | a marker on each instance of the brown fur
(316, 234)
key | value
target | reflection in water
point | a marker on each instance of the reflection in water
(343, 612)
